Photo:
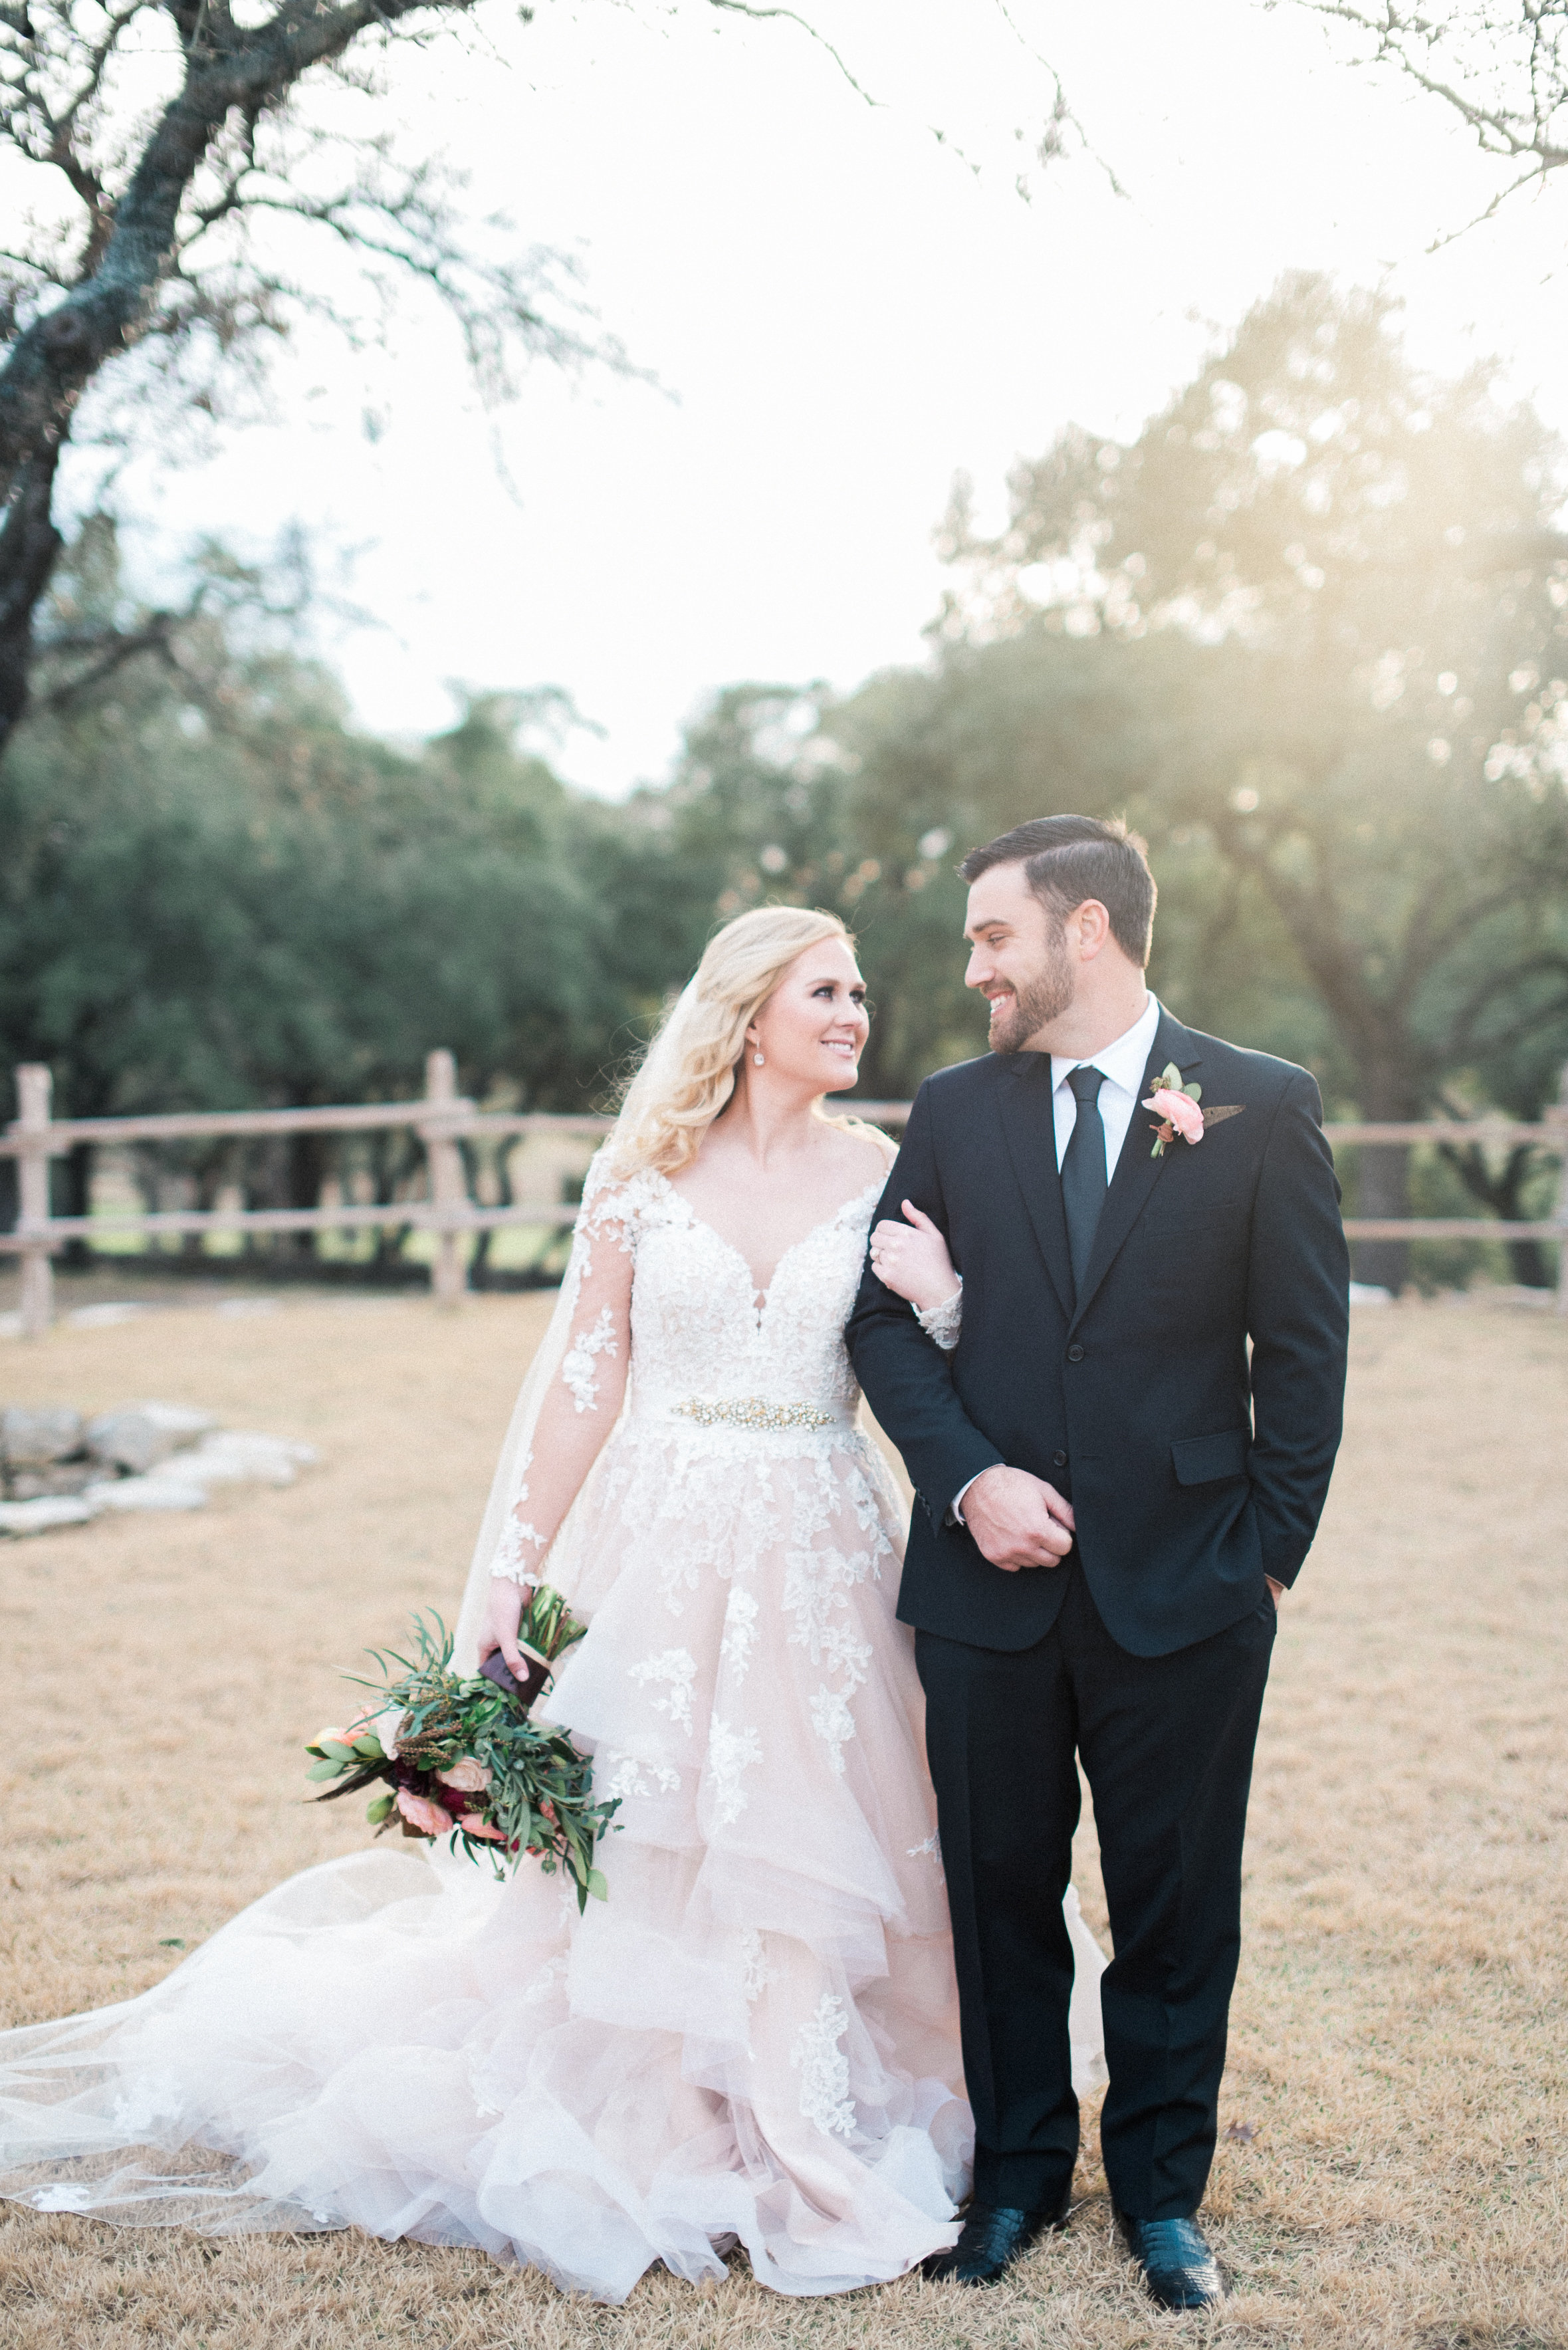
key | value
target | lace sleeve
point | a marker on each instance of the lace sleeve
(585, 1396)
(943, 1322)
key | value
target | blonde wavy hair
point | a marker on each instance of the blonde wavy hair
(689, 1071)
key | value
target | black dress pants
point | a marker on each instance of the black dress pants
(1166, 1745)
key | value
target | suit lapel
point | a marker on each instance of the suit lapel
(1028, 1121)
(1137, 1171)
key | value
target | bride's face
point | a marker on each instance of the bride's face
(812, 1028)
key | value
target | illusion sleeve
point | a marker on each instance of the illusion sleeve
(943, 1322)
(583, 1399)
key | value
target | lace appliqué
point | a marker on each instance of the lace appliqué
(755, 1972)
(823, 2069)
(817, 1581)
(629, 1776)
(153, 2099)
(679, 1668)
(931, 1850)
(740, 1632)
(577, 1367)
(943, 1322)
(553, 1973)
(730, 1752)
(509, 1564)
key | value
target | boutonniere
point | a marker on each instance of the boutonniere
(1176, 1108)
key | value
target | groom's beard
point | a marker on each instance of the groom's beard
(1043, 997)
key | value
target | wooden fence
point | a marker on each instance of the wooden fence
(443, 1120)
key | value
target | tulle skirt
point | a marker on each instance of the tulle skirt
(753, 2040)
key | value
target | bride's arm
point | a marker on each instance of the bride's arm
(912, 1260)
(581, 1408)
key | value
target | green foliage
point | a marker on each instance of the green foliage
(1334, 593)
(1308, 631)
(215, 894)
(536, 1799)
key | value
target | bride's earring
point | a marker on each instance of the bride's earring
(758, 1059)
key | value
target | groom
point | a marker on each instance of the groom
(1113, 1494)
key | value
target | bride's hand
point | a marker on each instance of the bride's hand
(507, 1600)
(912, 1260)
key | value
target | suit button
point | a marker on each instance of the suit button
(1058, 1460)
(1075, 1354)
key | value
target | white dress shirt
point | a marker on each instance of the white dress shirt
(1122, 1065)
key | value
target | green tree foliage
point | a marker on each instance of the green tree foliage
(1308, 631)
(215, 894)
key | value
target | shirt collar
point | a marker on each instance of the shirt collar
(1123, 1062)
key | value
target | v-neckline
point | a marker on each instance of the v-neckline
(754, 1292)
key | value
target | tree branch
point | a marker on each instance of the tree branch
(1522, 131)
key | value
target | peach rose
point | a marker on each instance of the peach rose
(430, 1819)
(334, 1738)
(467, 1775)
(1181, 1111)
(472, 1824)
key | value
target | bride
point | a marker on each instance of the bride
(754, 2038)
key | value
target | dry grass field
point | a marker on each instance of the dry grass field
(1393, 2174)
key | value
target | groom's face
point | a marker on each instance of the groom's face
(1018, 957)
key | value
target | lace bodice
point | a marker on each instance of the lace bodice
(662, 1313)
(698, 1331)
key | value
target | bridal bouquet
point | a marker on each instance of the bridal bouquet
(457, 1756)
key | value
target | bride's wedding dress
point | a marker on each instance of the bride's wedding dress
(755, 2037)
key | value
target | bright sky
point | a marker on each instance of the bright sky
(841, 314)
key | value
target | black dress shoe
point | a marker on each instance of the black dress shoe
(994, 2236)
(1178, 2266)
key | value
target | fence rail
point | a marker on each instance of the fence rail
(444, 1119)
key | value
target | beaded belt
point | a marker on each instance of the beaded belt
(751, 1411)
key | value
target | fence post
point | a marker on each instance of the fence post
(449, 1274)
(34, 1085)
(1560, 1213)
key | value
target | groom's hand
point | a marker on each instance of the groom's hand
(1018, 1520)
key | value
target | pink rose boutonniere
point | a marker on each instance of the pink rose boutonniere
(1176, 1108)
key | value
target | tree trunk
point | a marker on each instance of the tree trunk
(29, 546)
(308, 1157)
(1384, 1189)
(73, 1184)
(1503, 1195)
(46, 370)
(1388, 1095)
(394, 1154)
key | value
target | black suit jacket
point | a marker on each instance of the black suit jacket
(1193, 1467)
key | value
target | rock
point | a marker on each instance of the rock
(106, 1316)
(37, 1517)
(232, 1458)
(37, 1435)
(136, 1435)
(38, 1484)
(161, 1491)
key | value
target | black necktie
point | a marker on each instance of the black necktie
(1084, 1171)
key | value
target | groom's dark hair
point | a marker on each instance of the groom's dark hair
(1066, 859)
